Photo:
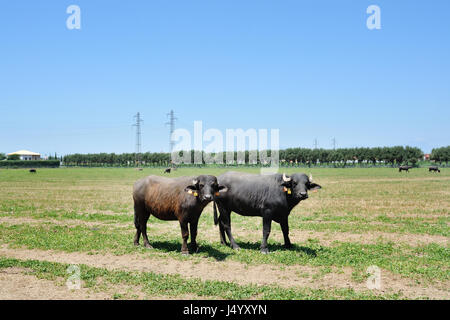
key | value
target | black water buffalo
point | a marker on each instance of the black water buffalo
(434, 169)
(404, 168)
(271, 197)
(181, 199)
(167, 170)
(33, 170)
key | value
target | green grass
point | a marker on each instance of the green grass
(174, 285)
(349, 223)
(352, 200)
(428, 262)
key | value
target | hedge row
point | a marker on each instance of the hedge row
(30, 164)
(300, 156)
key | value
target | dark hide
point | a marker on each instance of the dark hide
(266, 196)
(181, 199)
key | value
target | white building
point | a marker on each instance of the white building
(26, 155)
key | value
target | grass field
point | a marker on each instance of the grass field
(398, 222)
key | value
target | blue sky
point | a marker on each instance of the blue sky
(309, 68)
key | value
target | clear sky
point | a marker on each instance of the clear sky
(309, 68)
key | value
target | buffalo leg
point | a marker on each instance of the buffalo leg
(185, 236)
(223, 239)
(226, 224)
(138, 233)
(285, 228)
(267, 225)
(140, 220)
(137, 213)
(193, 227)
(137, 236)
(143, 227)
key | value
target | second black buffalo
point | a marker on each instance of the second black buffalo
(271, 197)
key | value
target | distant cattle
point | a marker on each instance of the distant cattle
(271, 197)
(404, 168)
(33, 170)
(434, 169)
(181, 199)
(167, 170)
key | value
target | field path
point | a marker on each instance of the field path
(16, 284)
(297, 236)
(289, 276)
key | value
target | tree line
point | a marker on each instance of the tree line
(121, 160)
(378, 156)
(441, 154)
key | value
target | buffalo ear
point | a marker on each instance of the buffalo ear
(222, 189)
(287, 184)
(313, 186)
(287, 181)
(190, 188)
(193, 186)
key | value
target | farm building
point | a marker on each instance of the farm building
(26, 155)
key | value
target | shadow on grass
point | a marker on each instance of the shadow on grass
(173, 246)
(219, 252)
(279, 247)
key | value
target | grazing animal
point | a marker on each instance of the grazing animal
(33, 170)
(404, 168)
(181, 199)
(271, 197)
(434, 168)
(167, 170)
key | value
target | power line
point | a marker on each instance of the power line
(171, 124)
(138, 138)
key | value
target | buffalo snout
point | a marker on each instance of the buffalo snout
(207, 197)
(303, 195)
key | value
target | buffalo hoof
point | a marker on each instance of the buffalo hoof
(236, 247)
(185, 253)
(194, 249)
(288, 246)
(148, 246)
(264, 250)
(136, 244)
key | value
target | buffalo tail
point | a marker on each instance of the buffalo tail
(216, 220)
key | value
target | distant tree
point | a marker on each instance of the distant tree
(291, 156)
(441, 154)
(2, 156)
(413, 154)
